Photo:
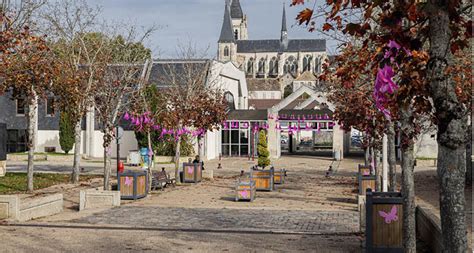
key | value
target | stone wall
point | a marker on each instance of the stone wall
(95, 198)
(14, 208)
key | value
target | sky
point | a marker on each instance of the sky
(200, 21)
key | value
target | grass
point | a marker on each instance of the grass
(425, 158)
(13, 183)
(43, 153)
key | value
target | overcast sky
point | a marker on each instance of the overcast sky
(201, 21)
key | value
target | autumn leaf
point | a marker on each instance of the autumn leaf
(305, 16)
(296, 2)
(327, 27)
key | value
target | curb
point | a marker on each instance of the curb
(174, 229)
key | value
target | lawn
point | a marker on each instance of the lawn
(16, 182)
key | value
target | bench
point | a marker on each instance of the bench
(161, 179)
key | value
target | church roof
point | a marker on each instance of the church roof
(162, 71)
(227, 34)
(236, 9)
(263, 84)
(298, 45)
(307, 76)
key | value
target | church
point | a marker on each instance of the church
(274, 67)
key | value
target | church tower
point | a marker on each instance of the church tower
(284, 31)
(227, 48)
(239, 21)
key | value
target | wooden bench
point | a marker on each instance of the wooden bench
(161, 179)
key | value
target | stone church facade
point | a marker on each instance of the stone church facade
(280, 60)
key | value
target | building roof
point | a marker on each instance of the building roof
(298, 45)
(307, 76)
(260, 104)
(227, 34)
(247, 115)
(286, 114)
(236, 9)
(263, 84)
(163, 70)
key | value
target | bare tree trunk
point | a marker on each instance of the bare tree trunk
(392, 159)
(452, 133)
(176, 159)
(107, 166)
(373, 164)
(469, 158)
(366, 153)
(378, 174)
(150, 161)
(408, 185)
(200, 147)
(32, 105)
(77, 152)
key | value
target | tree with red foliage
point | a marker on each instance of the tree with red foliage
(427, 35)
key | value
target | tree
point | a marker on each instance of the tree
(427, 34)
(27, 68)
(72, 25)
(66, 132)
(188, 100)
(121, 83)
(262, 149)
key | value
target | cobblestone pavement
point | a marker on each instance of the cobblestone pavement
(312, 222)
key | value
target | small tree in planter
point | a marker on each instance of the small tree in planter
(66, 132)
(262, 148)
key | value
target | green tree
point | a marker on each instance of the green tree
(262, 148)
(66, 132)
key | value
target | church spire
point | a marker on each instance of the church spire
(226, 31)
(283, 20)
(236, 10)
(284, 31)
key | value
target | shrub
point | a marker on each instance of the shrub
(66, 132)
(262, 148)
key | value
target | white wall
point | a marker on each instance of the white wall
(48, 138)
(212, 144)
(128, 143)
(426, 146)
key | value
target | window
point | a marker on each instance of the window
(229, 98)
(50, 106)
(250, 66)
(290, 65)
(17, 141)
(307, 63)
(317, 65)
(236, 139)
(236, 34)
(261, 67)
(274, 66)
(264, 95)
(287, 91)
(226, 51)
(272, 95)
(20, 107)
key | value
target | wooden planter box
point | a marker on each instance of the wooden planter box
(279, 176)
(364, 170)
(366, 182)
(192, 172)
(245, 190)
(263, 179)
(384, 222)
(133, 184)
